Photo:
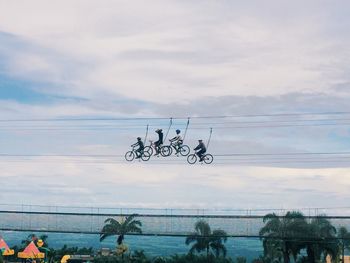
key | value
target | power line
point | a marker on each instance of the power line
(137, 127)
(193, 128)
(222, 154)
(130, 125)
(176, 118)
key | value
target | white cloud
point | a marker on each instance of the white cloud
(208, 50)
(100, 184)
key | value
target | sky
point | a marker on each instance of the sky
(86, 77)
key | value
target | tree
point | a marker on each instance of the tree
(322, 239)
(113, 227)
(204, 239)
(344, 236)
(281, 235)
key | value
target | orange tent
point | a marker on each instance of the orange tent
(31, 251)
(6, 250)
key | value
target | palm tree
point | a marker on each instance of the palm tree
(344, 236)
(322, 235)
(281, 235)
(204, 239)
(113, 227)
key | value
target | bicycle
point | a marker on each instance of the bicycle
(206, 158)
(183, 149)
(131, 155)
(162, 149)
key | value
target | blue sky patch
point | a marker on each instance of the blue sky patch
(21, 91)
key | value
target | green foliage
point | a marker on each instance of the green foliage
(241, 260)
(112, 227)
(109, 259)
(206, 240)
(287, 236)
(35, 238)
(140, 257)
(344, 236)
(65, 250)
(283, 235)
(189, 258)
(322, 235)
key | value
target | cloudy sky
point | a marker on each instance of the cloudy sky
(278, 70)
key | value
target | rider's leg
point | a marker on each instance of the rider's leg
(200, 155)
(157, 148)
(138, 153)
(177, 147)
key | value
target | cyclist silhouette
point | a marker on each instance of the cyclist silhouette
(158, 143)
(177, 141)
(139, 151)
(201, 150)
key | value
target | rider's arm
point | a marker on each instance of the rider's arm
(135, 144)
(197, 148)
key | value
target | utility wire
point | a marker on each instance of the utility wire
(225, 154)
(176, 118)
(185, 124)
(109, 128)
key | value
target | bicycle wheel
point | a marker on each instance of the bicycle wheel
(145, 156)
(129, 156)
(192, 158)
(166, 151)
(149, 149)
(208, 158)
(184, 150)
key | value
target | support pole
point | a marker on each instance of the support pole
(188, 123)
(144, 142)
(211, 131)
(171, 123)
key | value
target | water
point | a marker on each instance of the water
(153, 246)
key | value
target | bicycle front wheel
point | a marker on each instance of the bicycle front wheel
(184, 150)
(166, 151)
(192, 158)
(129, 156)
(145, 156)
(208, 158)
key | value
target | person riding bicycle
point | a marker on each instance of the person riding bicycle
(177, 141)
(158, 143)
(139, 150)
(202, 149)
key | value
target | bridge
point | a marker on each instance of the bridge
(157, 222)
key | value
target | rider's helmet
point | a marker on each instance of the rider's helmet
(200, 140)
(158, 130)
(139, 138)
(178, 131)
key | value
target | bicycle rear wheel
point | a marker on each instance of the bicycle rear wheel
(184, 150)
(208, 158)
(192, 158)
(149, 149)
(166, 151)
(145, 156)
(129, 156)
